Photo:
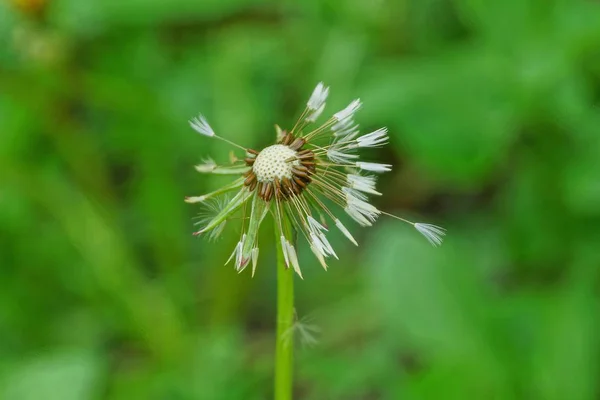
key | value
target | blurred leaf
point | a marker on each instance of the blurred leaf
(60, 375)
(505, 21)
(435, 306)
(98, 17)
(217, 371)
(581, 177)
(535, 217)
(8, 24)
(432, 24)
(564, 365)
(456, 114)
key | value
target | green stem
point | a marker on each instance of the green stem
(284, 344)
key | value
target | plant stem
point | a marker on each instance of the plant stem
(284, 341)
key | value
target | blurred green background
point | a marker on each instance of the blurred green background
(493, 109)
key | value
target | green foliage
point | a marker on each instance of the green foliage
(493, 114)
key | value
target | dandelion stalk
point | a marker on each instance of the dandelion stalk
(285, 319)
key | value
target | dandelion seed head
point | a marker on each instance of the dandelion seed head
(297, 180)
(272, 163)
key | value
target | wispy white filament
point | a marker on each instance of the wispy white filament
(207, 165)
(201, 126)
(318, 237)
(374, 139)
(314, 240)
(318, 97)
(374, 167)
(238, 246)
(237, 252)
(315, 114)
(349, 111)
(315, 226)
(293, 257)
(284, 249)
(345, 134)
(344, 125)
(322, 245)
(340, 157)
(239, 256)
(363, 183)
(194, 199)
(350, 192)
(326, 245)
(345, 231)
(319, 256)
(254, 259)
(432, 233)
(358, 217)
(362, 212)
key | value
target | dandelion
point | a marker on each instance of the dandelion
(301, 180)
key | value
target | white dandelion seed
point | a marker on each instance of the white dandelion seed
(254, 259)
(212, 207)
(349, 111)
(240, 263)
(327, 246)
(434, 234)
(373, 167)
(315, 226)
(344, 132)
(363, 183)
(341, 157)
(201, 126)
(285, 251)
(315, 114)
(302, 329)
(208, 165)
(353, 193)
(344, 127)
(319, 254)
(291, 252)
(374, 139)
(345, 231)
(236, 251)
(363, 212)
(318, 97)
